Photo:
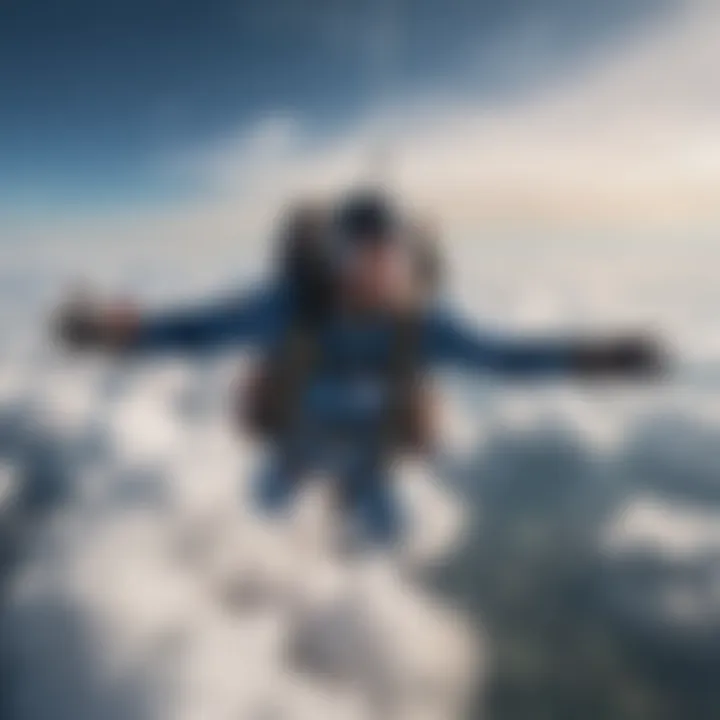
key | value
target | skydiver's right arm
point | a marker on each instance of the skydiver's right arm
(232, 321)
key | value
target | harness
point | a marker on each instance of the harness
(272, 407)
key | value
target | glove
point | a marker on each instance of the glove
(76, 324)
(83, 325)
(633, 356)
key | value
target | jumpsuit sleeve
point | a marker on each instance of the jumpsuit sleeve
(250, 319)
(455, 343)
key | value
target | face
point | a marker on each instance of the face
(378, 276)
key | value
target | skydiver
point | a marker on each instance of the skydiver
(350, 327)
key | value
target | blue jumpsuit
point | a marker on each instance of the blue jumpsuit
(342, 407)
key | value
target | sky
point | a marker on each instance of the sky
(101, 104)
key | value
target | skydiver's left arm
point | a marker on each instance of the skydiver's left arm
(450, 341)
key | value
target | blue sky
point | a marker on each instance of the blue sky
(96, 96)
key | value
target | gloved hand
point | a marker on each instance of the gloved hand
(84, 324)
(631, 356)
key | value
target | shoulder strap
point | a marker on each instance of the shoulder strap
(402, 380)
(296, 358)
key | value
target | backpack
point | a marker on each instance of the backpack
(270, 399)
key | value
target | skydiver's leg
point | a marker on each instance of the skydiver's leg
(370, 499)
(380, 512)
(277, 484)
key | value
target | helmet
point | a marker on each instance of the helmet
(367, 216)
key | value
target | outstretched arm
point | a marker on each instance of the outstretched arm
(243, 320)
(233, 320)
(453, 342)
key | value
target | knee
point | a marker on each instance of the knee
(383, 518)
(272, 492)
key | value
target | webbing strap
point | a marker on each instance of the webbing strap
(402, 380)
(297, 359)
